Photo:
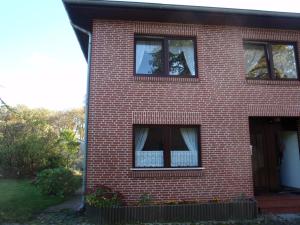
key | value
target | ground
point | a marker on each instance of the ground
(20, 200)
(69, 217)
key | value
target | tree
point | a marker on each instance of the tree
(69, 147)
(35, 139)
(71, 119)
(26, 141)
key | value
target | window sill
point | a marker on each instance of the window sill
(167, 79)
(167, 169)
(273, 82)
(167, 172)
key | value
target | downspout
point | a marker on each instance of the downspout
(87, 100)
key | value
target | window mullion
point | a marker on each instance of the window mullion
(270, 61)
(167, 146)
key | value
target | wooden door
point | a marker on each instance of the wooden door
(264, 141)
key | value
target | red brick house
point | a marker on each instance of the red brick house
(190, 103)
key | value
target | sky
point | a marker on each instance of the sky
(41, 63)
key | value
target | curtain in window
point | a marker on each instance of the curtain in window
(190, 157)
(146, 158)
(140, 51)
(145, 47)
(190, 138)
(141, 135)
(190, 58)
(187, 47)
(149, 159)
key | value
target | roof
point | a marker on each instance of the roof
(82, 13)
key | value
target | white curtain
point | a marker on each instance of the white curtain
(146, 158)
(145, 47)
(140, 51)
(190, 138)
(188, 51)
(149, 158)
(190, 157)
(141, 135)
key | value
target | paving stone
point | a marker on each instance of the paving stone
(70, 217)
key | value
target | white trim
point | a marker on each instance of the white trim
(162, 169)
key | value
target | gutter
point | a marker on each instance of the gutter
(87, 101)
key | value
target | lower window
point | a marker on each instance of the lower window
(166, 146)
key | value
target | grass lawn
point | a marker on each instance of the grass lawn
(20, 200)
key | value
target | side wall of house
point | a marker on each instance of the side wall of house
(220, 100)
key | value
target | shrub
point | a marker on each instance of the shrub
(58, 181)
(24, 153)
(104, 197)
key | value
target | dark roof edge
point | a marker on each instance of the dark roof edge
(82, 38)
(183, 7)
(83, 12)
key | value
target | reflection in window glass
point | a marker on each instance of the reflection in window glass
(255, 61)
(181, 57)
(148, 57)
(284, 61)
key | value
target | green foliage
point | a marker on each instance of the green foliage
(31, 140)
(145, 199)
(69, 120)
(59, 181)
(68, 147)
(104, 197)
(20, 200)
(26, 141)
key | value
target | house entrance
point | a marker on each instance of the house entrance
(275, 154)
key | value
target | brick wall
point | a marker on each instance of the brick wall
(220, 100)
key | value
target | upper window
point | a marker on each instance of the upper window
(269, 60)
(166, 146)
(157, 56)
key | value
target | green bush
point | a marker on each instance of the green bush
(24, 152)
(104, 197)
(59, 181)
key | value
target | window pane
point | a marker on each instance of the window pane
(284, 61)
(187, 140)
(255, 61)
(181, 57)
(148, 147)
(177, 142)
(154, 140)
(148, 57)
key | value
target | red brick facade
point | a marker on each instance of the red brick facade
(220, 100)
